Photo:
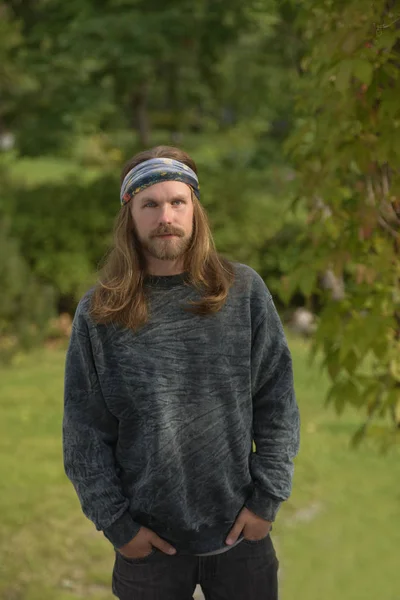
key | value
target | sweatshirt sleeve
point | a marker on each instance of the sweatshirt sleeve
(89, 436)
(276, 420)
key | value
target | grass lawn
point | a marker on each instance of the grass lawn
(338, 537)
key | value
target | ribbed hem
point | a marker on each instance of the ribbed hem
(166, 281)
(122, 530)
(263, 505)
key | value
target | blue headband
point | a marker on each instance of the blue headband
(156, 170)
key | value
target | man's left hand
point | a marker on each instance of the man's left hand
(254, 527)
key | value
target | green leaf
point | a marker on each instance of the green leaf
(343, 75)
(332, 364)
(358, 436)
(387, 38)
(351, 394)
(393, 397)
(350, 362)
(339, 400)
(307, 282)
(287, 287)
(380, 348)
(351, 42)
(363, 70)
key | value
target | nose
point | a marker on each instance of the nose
(165, 215)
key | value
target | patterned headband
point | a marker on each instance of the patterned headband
(156, 170)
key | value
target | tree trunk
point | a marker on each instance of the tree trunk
(140, 116)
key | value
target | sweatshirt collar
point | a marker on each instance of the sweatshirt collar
(166, 281)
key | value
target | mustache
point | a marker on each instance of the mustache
(167, 231)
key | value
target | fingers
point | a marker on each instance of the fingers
(255, 534)
(235, 531)
(162, 545)
(143, 553)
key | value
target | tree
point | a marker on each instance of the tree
(120, 64)
(221, 86)
(346, 148)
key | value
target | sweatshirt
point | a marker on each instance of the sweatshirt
(159, 424)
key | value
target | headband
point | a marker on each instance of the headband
(156, 170)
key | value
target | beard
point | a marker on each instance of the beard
(166, 249)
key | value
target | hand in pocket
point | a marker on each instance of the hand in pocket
(142, 545)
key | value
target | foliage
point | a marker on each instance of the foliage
(140, 69)
(66, 230)
(26, 304)
(66, 224)
(346, 147)
(129, 64)
(88, 84)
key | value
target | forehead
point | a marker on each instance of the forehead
(164, 191)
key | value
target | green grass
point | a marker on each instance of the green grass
(338, 537)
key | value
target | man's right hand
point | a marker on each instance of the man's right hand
(142, 544)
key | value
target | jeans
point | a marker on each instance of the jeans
(246, 572)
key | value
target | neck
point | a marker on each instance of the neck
(164, 267)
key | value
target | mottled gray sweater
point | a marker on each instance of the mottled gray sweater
(158, 425)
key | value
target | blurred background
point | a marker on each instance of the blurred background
(291, 111)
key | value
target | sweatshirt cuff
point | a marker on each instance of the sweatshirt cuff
(263, 505)
(122, 530)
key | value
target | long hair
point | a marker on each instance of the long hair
(120, 294)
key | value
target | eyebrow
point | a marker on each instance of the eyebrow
(150, 199)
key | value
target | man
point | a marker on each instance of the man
(176, 363)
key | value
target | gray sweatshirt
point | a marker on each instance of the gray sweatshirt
(158, 424)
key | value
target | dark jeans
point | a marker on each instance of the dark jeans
(246, 572)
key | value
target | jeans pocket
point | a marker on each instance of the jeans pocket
(139, 560)
(254, 542)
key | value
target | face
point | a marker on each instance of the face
(163, 219)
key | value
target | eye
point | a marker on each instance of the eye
(175, 201)
(149, 204)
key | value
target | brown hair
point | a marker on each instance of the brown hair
(120, 296)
